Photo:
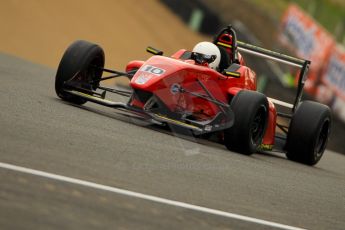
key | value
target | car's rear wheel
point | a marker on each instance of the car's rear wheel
(251, 115)
(81, 63)
(308, 133)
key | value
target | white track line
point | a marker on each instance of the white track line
(144, 196)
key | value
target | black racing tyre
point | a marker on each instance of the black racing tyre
(80, 62)
(251, 116)
(308, 133)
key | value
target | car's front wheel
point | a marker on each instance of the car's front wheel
(251, 115)
(81, 63)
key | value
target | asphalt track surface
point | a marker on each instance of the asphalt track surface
(94, 145)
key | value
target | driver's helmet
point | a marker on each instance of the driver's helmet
(208, 48)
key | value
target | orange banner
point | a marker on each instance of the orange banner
(308, 40)
(334, 75)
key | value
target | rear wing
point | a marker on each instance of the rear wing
(302, 64)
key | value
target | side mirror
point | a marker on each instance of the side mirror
(232, 71)
(154, 51)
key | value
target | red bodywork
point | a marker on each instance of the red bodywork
(159, 74)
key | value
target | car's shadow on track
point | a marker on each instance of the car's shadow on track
(207, 140)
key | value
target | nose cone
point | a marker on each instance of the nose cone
(155, 71)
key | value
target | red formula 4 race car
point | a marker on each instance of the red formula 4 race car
(205, 93)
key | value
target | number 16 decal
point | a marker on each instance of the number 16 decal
(152, 69)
